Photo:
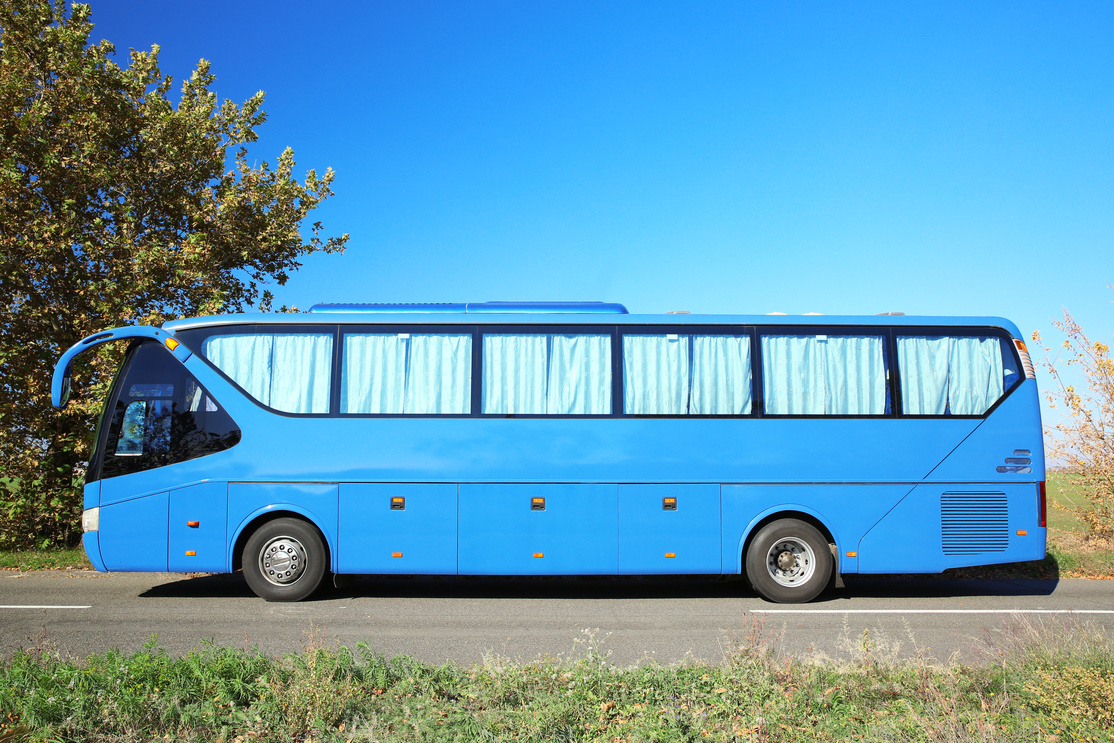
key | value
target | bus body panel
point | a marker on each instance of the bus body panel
(669, 529)
(215, 467)
(138, 534)
(538, 529)
(747, 506)
(91, 494)
(402, 528)
(1008, 433)
(599, 450)
(316, 502)
(199, 528)
(941, 526)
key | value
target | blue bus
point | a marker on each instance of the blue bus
(563, 438)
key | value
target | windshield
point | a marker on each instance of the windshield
(157, 414)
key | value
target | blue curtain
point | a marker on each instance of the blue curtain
(686, 375)
(547, 374)
(285, 371)
(949, 375)
(406, 373)
(824, 375)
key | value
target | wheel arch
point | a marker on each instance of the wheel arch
(264, 515)
(786, 512)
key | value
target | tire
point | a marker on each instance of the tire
(285, 560)
(789, 562)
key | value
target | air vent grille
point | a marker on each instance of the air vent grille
(973, 523)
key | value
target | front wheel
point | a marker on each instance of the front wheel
(284, 560)
(789, 562)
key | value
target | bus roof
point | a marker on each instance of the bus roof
(487, 314)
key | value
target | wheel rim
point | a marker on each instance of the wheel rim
(791, 562)
(282, 561)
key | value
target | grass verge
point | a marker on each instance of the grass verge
(1036, 681)
(45, 560)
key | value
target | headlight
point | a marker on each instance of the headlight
(91, 519)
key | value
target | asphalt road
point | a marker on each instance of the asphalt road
(471, 619)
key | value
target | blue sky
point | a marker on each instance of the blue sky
(943, 158)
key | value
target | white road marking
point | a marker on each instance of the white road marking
(931, 611)
(41, 606)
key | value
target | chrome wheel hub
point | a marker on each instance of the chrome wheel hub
(282, 560)
(791, 561)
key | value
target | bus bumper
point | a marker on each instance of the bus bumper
(92, 543)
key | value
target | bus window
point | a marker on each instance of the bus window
(406, 373)
(824, 374)
(162, 416)
(289, 372)
(540, 374)
(953, 375)
(674, 374)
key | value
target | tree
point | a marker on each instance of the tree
(116, 207)
(1084, 440)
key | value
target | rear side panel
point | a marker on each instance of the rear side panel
(979, 506)
(1011, 432)
(948, 526)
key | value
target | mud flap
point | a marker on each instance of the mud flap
(837, 577)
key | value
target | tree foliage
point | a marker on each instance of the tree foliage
(117, 206)
(1083, 384)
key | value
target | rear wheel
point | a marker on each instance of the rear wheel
(789, 562)
(284, 560)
